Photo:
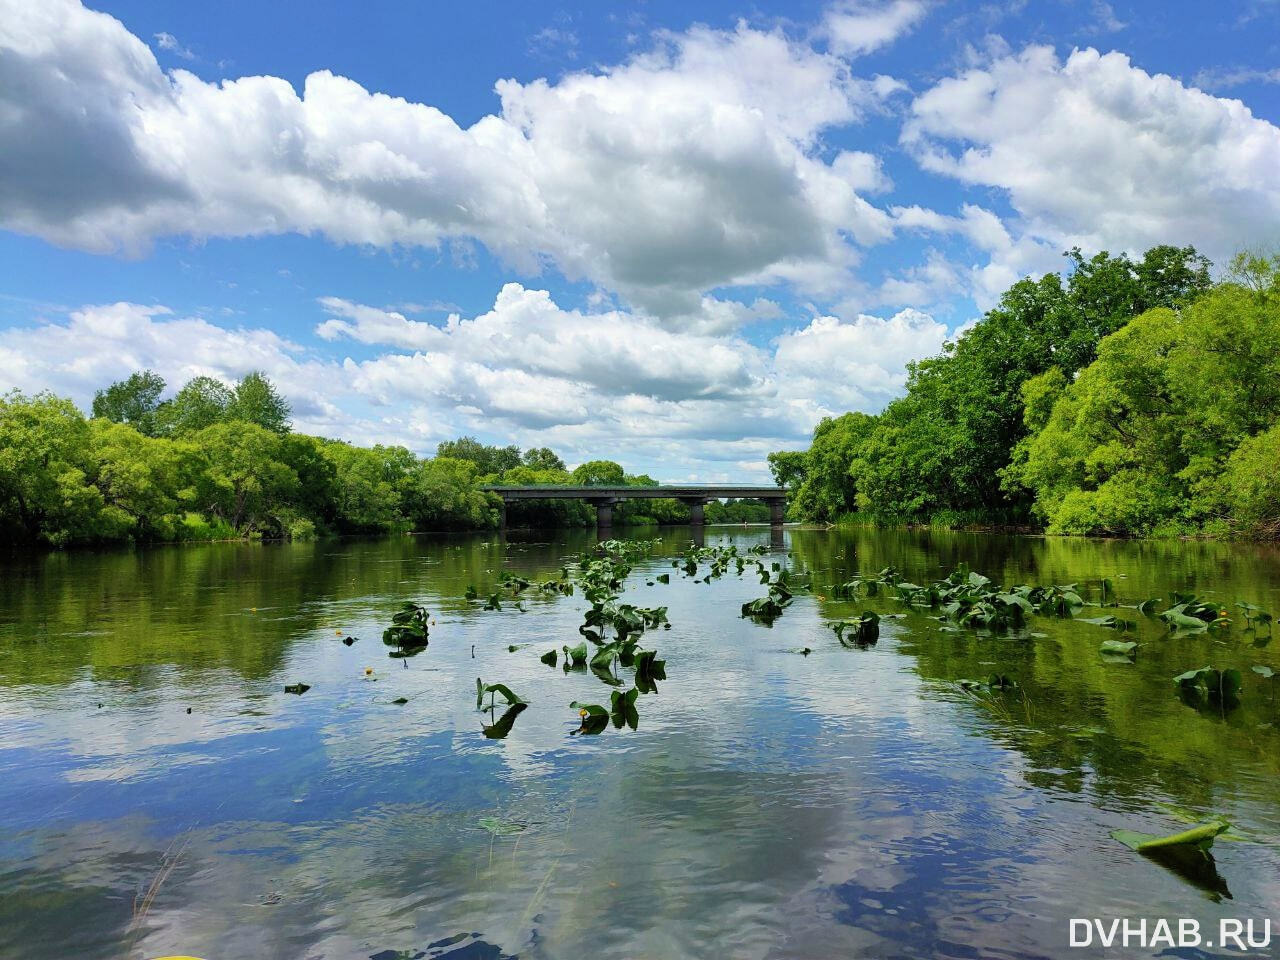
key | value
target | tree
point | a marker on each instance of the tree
(45, 470)
(944, 446)
(202, 402)
(257, 401)
(441, 494)
(242, 479)
(366, 488)
(133, 401)
(821, 485)
(599, 473)
(1160, 429)
(542, 458)
(489, 460)
(142, 481)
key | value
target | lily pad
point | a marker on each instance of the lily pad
(1200, 837)
(1118, 648)
(298, 688)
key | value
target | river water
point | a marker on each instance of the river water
(161, 794)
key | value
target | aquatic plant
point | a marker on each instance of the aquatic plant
(409, 630)
(862, 632)
(1219, 688)
(494, 690)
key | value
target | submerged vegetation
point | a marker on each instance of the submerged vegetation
(1135, 397)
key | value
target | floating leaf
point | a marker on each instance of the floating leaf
(1200, 837)
(623, 708)
(594, 717)
(549, 658)
(298, 688)
(862, 632)
(500, 828)
(1121, 648)
(1207, 685)
(349, 640)
(400, 701)
(663, 578)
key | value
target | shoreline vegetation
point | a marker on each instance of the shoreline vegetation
(1126, 398)
(218, 463)
(1130, 398)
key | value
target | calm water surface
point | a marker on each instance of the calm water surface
(852, 803)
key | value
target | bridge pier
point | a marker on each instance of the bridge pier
(777, 511)
(604, 513)
(697, 511)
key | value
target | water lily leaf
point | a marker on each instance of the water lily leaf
(575, 655)
(349, 640)
(500, 828)
(663, 578)
(623, 708)
(594, 718)
(1200, 837)
(298, 688)
(400, 701)
(1263, 671)
(1148, 607)
(1122, 648)
(549, 658)
(494, 690)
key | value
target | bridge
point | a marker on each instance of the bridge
(697, 496)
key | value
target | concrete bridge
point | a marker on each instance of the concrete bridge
(697, 496)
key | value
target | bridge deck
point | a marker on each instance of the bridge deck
(674, 491)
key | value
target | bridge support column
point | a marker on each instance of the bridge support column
(604, 514)
(777, 509)
(697, 512)
(502, 516)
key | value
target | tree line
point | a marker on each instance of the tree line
(1132, 397)
(218, 461)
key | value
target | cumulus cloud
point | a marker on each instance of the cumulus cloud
(1097, 152)
(860, 27)
(589, 384)
(695, 165)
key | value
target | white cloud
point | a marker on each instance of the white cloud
(608, 384)
(696, 165)
(859, 27)
(1095, 151)
(167, 41)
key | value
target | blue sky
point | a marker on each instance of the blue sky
(670, 234)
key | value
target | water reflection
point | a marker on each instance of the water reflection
(853, 802)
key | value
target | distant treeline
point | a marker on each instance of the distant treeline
(217, 462)
(1133, 398)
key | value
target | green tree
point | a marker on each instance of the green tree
(133, 401)
(820, 482)
(1142, 437)
(257, 401)
(599, 473)
(489, 460)
(45, 470)
(202, 402)
(542, 458)
(441, 494)
(944, 446)
(367, 485)
(143, 482)
(242, 479)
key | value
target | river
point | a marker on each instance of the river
(161, 794)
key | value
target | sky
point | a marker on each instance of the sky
(675, 235)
